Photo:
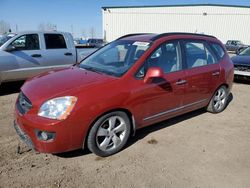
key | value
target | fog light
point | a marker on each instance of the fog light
(44, 135)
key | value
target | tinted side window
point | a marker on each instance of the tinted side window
(166, 57)
(27, 42)
(54, 41)
(195, 54)
(218, 50)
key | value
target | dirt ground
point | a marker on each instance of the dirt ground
(198, 149)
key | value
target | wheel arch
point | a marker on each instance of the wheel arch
(129, 114)
(223, 84)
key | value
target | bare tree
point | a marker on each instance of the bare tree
(47, 27)
(72, 30)
(4, 27)
(92, 32)
(84, 35)
(41, 27)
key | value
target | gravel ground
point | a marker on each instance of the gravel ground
(197, 149)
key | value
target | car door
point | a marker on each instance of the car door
(163, 97)
(59, 53)
(202, 73)
(22, 59)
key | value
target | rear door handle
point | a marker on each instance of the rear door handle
(68, 54)
(216, 73)
(36, 55)
(181, 82)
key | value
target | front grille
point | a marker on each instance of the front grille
(23, 103)
(242, 68)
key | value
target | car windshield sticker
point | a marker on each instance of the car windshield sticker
(137, 43)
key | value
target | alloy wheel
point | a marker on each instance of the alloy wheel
(111, 133)
(219, 99)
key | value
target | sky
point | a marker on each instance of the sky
(77, 16)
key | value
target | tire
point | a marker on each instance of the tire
(109, 134)
(219, 100)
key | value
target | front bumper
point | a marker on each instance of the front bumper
(241, 71)
(69, 135)
(241, 75)
(24, 137)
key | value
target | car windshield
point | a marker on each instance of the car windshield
(238, 42)
(245, 52)
(115, 58)
(4, 38)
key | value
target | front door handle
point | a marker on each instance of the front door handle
(36, 55)
(68, 54)
(181, 82)
(216, 73)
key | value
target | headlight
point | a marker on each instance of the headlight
(57, 108)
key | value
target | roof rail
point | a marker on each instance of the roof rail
(133, 34)
(179, 33)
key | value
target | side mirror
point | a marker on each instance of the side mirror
(10, 48)
(152, 73)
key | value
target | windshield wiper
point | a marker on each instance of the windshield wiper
(91, 69)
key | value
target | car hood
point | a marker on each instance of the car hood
(241, 60)
(62, 82)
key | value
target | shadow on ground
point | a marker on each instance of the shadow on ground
(141, 133)
(10, 88)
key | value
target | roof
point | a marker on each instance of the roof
(180, 5)
(145, 37)
(38, 31)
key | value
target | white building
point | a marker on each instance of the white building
(226, 22)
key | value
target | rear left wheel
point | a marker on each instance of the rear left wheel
(109, 134)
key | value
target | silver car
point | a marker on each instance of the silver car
(29, 53)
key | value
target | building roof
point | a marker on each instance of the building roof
(180, 5)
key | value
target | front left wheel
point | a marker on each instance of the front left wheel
(109, 134)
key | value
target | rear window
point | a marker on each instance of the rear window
(54, 41)
(219, 51)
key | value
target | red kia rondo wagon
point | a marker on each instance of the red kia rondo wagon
(132, 82)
